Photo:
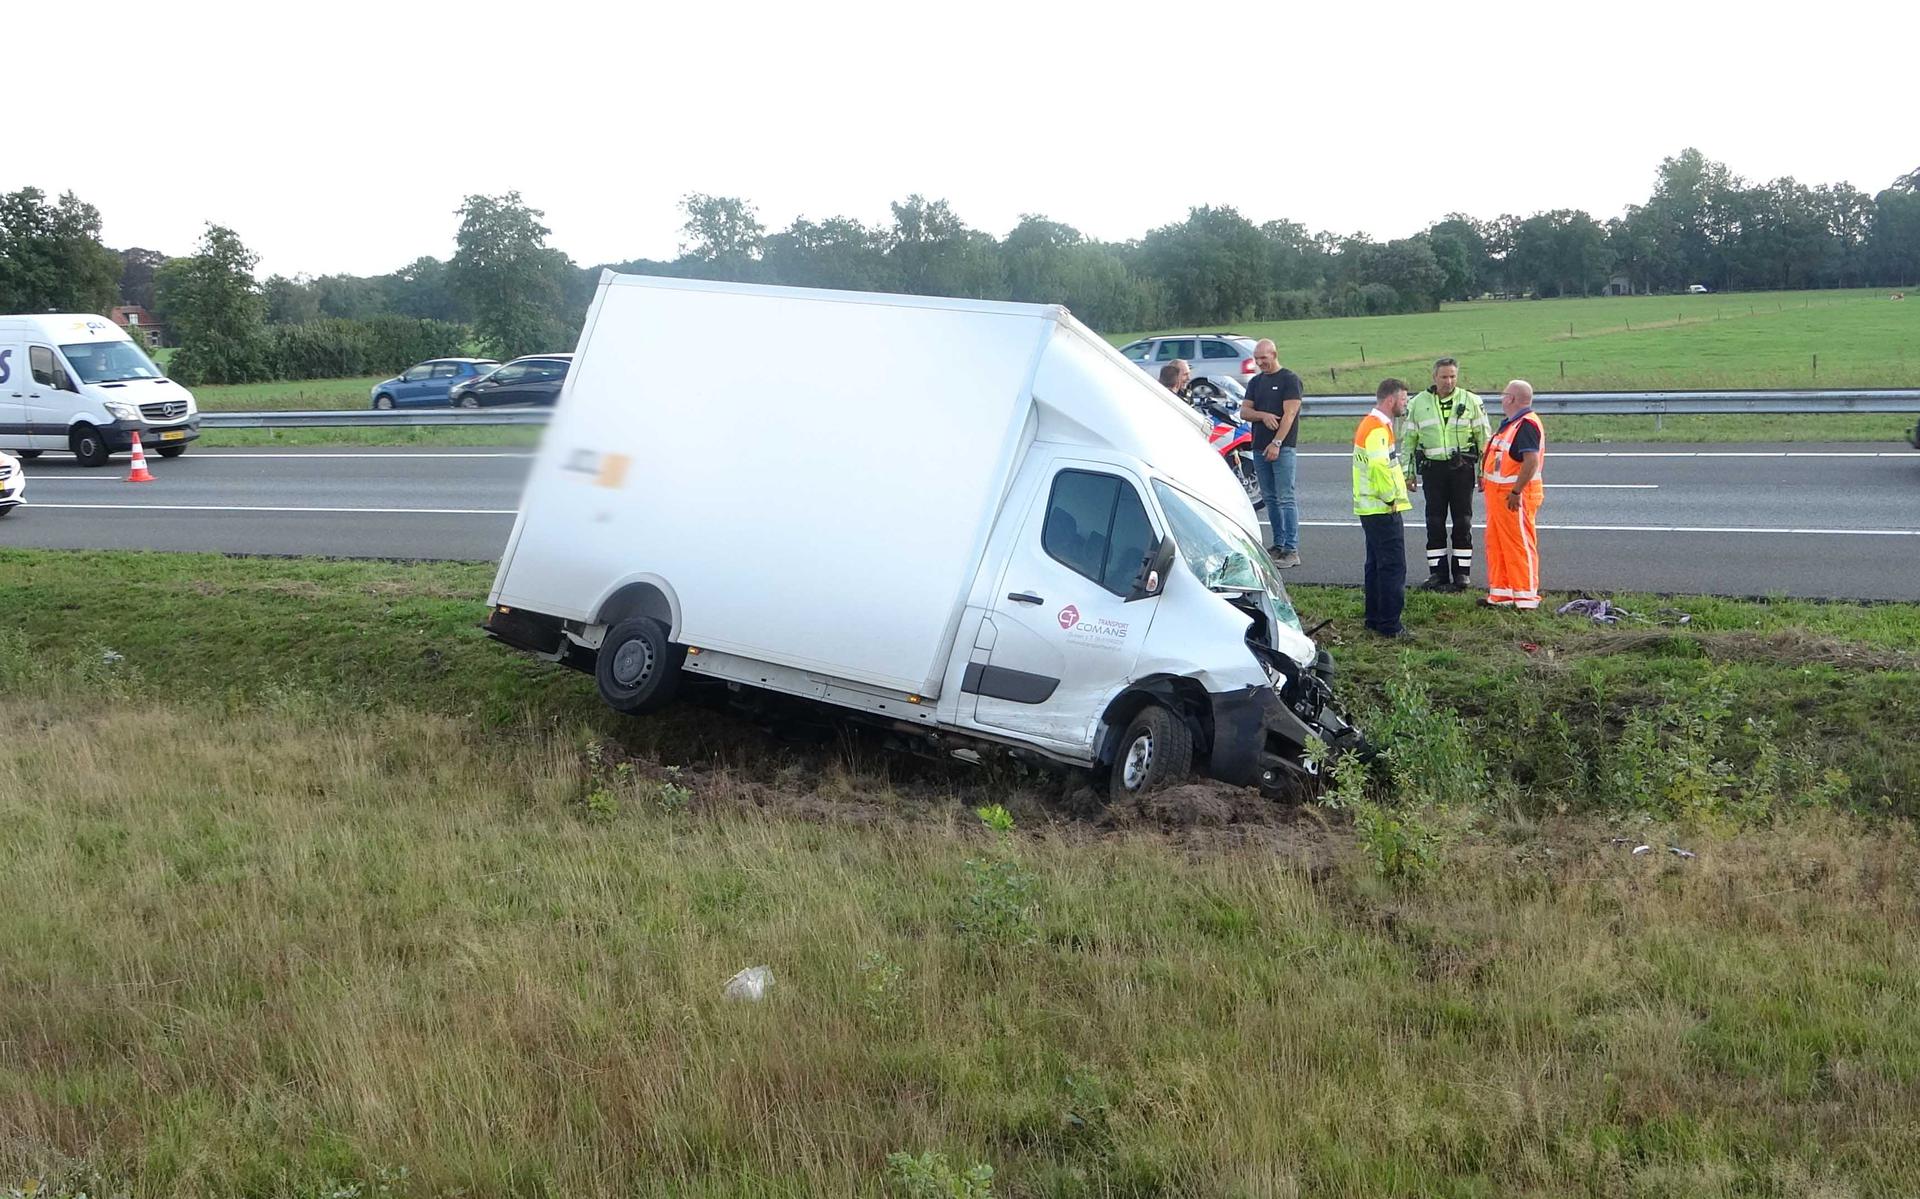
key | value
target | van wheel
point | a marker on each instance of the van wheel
(88, 446)
(29, 453)
(171, 451)
(1156, 751)
(637, 668)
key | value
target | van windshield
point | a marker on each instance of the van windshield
(1219, 552)
(109, 361)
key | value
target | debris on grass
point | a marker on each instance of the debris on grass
(750, 985)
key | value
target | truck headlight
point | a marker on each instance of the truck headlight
(119, 410)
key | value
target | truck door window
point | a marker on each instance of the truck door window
(1096, 526)
(41, 359)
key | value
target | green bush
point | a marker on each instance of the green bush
(339, 349)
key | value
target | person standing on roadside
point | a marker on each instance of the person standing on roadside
(1273, 407)
(1510, 474)
(1175, 375)
(1441, 438)
(1380, 501)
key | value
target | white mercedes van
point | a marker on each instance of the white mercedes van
(78, 383)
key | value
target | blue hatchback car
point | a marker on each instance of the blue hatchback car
(428, 382)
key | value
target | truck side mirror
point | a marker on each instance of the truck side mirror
(1153, 571)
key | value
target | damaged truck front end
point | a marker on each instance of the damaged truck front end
(1272, 718)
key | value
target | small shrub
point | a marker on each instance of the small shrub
(1347, 774)
(931, 1176)
(1429, 752)
(999, 903)
(1401, 847)
(996, 817)
(600, 799)
(672, 796)
(882, 986)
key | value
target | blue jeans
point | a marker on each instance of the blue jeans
(1276, 486)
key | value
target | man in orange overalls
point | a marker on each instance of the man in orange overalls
(1510, 477)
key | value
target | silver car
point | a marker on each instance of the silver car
(1215, 359)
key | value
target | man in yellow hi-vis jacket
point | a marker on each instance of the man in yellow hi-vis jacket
(1380, 501)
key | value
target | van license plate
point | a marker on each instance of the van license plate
(173, 435)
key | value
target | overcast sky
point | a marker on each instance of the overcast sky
(341, 137)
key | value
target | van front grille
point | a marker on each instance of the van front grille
(164, 410)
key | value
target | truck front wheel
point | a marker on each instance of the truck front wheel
(637, 668)
(1156, 751)
(88, 445)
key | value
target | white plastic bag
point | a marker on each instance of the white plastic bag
(750, 984)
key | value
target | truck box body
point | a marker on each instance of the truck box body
(802, 469)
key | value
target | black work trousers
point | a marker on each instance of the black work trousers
(1449, 488)
(1385, 581)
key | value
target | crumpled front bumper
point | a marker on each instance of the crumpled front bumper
(1258, 740)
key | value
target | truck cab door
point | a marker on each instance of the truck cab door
(51, 398)
(1060, 636)
(13, 397)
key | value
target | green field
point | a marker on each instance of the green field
(313, 892)
(294, 395)
(1681, 342)
(1761, 339)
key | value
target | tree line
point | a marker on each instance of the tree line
(505, 291)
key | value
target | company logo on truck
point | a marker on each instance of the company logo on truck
(606, 470)
(1099, 632)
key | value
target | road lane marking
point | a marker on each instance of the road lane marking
(215, 457)
(1699, 454)
(1777, 532)
(218, 455)
(265, 508)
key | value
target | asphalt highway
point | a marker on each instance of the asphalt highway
(1821, 520)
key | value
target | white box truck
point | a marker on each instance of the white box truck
(973, 522)
(75, 382)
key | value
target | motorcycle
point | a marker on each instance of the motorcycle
(1231, 436)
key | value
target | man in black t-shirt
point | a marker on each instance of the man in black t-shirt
(1273, 406)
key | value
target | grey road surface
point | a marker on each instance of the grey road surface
(1805, 520)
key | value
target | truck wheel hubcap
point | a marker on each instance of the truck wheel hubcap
(1139, 761)
(632, 663)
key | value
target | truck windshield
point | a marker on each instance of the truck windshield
(1219, 552)
(109, 361)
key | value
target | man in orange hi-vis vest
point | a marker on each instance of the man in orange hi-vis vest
(1510, 477)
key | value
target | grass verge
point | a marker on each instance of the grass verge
(313, 889)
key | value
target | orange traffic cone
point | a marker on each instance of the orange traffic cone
(139, 473)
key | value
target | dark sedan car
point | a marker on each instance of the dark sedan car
(534, 379)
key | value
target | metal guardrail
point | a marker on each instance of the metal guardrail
(1670, 403)
(367, 418)
(1548, 403)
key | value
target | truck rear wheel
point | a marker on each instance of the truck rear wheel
(637, 668)
(1156, 751)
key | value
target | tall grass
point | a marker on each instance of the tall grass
(333, 897)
